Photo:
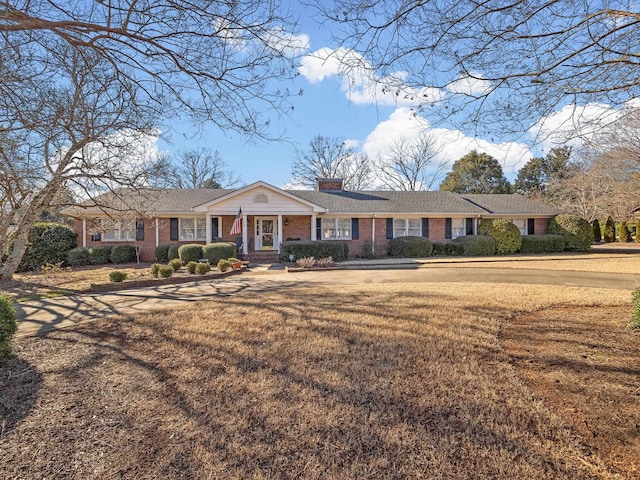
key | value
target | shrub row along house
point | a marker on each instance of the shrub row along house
(270, 215)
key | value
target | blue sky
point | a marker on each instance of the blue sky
(352, 110)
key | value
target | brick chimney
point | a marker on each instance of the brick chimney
(329, 184)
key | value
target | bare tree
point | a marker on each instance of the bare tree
(411, 166)
(332, 158)
(82, 84)
(199, 168)
(501, 64)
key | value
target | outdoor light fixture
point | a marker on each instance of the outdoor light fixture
(286, 221)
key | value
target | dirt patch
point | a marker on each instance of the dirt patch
(586, 367)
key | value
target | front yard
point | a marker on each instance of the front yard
(430, 380)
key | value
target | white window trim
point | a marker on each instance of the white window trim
(458, 227)
(119, 228)
(406, 227)
(524, 228)
(334, 227)
(195, 237)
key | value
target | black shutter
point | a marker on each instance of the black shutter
(214, 228)
(389, 228)
(318, 229)
(469, 226)
(355, 229)
(425, 227)
(173, 231)
(447, 228)
(95, 237)
(140, 230)
(531, 226)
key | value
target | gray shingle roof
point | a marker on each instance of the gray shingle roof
(175, 201)
(509, 204)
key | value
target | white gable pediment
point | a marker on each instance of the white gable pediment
(259, 198)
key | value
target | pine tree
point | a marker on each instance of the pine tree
(609, 235)
(597, 234)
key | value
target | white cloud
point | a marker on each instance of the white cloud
(407, 124)
(467, 85)
(277, 39)
(359, 81)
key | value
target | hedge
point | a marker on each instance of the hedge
(8, 326)
(505, 233)
(123, 254)
(48, 244)
(172, 252)
(214, 252)
(576, 231)
(338, 250)
(77, 257)
(99, 255)
(162, 252)
(410, 247)
(190, 252)
(476, 245)
(546, 243)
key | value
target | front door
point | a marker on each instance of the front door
(266, 233)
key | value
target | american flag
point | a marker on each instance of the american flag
(236, 228)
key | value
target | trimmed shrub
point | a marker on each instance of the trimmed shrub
(410, 247)
(99, 255)
(623, 232)
(452, 249)
(48, 244)
(637, 235)
(224, 265)
(191, 252)
(597, 233)
(176, 264)
(214, 252)
(233, 259)
(8, 326)
(505, 233)
(117, 276)
(339, 251)
(609, 234)
(634, 323)
(172, 252)
(576, 231)
(202, 268)
(191, 267)
(77, 257)
(546, 243)
(165, 271)
(367, 250)
(162, 252)
(154, 269)
(438, 249)
(476, 245)
(123, 254)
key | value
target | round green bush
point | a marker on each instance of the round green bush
(48, 244)
(123, 254)
(505, 233)
(99, 255)
(224, 265)
(191, 252)
(214, 252)
(162, 252)
(154, 269)
(410, 247)
(477, 245)
(8, 326)
(172, 252)
(203, 268)
(117, 276)
(191, 266)
(576, 231)
(165, 271)
(176, 264)
(77, 257)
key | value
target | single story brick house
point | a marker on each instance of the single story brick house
(271, 215)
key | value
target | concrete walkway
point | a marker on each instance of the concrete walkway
(41, 316)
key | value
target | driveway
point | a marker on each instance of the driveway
(41, 316)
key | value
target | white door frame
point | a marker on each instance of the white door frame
(258, 232)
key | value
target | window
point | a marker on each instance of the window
(120, 232)
(404, 227)
(192, 228)
(521, 223)
(458, 227)
(336, 229)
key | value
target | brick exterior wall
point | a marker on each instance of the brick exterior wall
(541, 225)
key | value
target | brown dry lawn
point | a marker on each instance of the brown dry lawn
(384, 381)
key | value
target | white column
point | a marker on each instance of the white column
(84, 232)
(208, 238)
(313, 227)
(373, 235)
(157, 231)
(279, 232)
(245, 236)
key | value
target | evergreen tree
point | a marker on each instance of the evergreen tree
(597, 234)
(476, 173)
(609, 231)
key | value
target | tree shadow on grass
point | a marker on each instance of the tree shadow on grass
(20, 385)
